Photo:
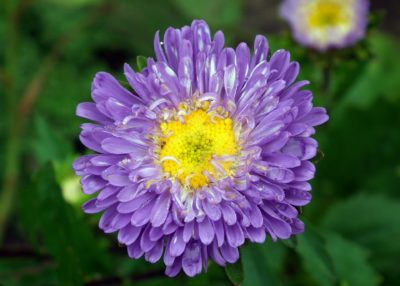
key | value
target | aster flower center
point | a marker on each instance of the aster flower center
(327, 14)
(193, 146)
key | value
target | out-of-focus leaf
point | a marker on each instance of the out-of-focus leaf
(235, 272)
(275, 254)
(59, 99)
(381, 78)
(255, 267)
(385, 180)
(291, 242)
(371, 221)
(350, 262)
(138, 21)
(215, 12)
(47, 144)
(55, 224)
(368, 219)
(331, 259)
(72, 3)
(358, 146)
(66, 237)
(315, 258)
(69, 182)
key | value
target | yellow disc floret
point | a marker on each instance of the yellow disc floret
(328, 14)
(188, 147)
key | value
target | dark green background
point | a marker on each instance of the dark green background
(50, 51)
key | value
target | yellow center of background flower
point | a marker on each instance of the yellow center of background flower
(188, 147)
(327, 14)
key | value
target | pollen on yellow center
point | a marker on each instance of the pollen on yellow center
(187, 147)
(327, 14)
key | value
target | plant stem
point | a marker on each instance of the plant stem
(12, 144)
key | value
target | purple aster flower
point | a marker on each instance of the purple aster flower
(324, 24)
(210, 148)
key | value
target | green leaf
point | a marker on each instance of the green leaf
(66, 237)
(275, 254)
(255, 266)
(371, 221)
(235, 272)
(381, 78)
(55, 225)
(315, 258)
(290, 242)
(350, 262)
(58, 100)
(386, 181)
(73, 3)
(47, 144)
(330, 259)
(141, 62)
(357, 147)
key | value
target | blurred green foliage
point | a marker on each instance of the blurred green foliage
(53, 48)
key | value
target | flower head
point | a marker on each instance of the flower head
(210, 148)
(324, 24)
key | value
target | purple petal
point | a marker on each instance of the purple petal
(297, 197)
(230, 254)
(160, 209)
(277, 143)
(228, 214)
(156, 233)
(317, 116)
(304, 172)
(155, 253)
(135, 204)
(191, 260)
(177, 245)
(278, 227)
(260, 50)
(234, 235)
(105, 86)
(282, 160)
(188, 231)
(280, 175)
(141, 216)
(89, 111)
(291, 73)
(90, 207)
(206, 231)
(129, 234)
(256, 217)
(145, 242)
(92, 184)
(256, 234)
(214, 253)
(219, 232)
(115, 145)
(134, 250)
(212, 210)
(175, 268)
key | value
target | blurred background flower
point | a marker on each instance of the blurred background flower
(50, 52)
(323, 24)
